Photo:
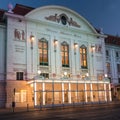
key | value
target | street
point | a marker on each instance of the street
(94, 112)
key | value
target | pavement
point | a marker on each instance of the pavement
(26, 109)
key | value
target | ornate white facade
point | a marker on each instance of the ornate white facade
(80, 79)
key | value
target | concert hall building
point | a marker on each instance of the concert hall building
(51, 56)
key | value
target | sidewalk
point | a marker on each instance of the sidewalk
(25, 109)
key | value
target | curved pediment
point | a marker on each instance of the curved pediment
(61, 16)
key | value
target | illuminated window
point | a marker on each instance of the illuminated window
(19, 76)
(43, 52)
(65, 54)
(83, 56)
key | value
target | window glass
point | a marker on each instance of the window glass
(43, 52)
(19, 76)
(65, 54)
(83, 56)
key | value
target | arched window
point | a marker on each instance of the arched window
(83, 57)
(65, 54)
(43, 51)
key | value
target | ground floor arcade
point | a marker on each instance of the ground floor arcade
(54, 92)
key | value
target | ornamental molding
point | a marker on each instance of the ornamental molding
(58, 18)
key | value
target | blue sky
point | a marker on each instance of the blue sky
(100, 13)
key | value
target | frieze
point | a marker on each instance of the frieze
(64, 19)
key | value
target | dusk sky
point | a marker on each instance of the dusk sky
(103, 14)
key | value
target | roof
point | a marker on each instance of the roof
(22, 9)
(112, 40)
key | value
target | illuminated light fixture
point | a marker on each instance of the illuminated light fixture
(75, 45)
(106, 75)
(65, 73)
(87, 74)
(93, 48)
(39, 72)
(55, 42)
(32, 38)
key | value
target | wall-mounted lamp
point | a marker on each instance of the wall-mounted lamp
(65, 73)
(55, 44)
(32, 38)
(87, 74)
(106, 75)
(39, 72)
(92, 48)
(75, 47)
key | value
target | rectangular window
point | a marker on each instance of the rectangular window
(65, 54)
(118, 68)
(45, 75)
(43, 52)
(83, 57)
(118, 80)
(117, 54)
(107, 53)
(19, 76)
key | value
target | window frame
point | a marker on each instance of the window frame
(65, 54)
(43, 52)
(83, 57)
(19, 76)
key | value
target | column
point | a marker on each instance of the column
(85, 93)
(110, 92)
(43, 91)
(105, 92)
(35, 94)
(62, 92)
(91, 92)
(69, 93)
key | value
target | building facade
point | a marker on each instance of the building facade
(51, 56)
(112, 45)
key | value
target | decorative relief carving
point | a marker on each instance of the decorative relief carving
(98, 48)
(57, 18)
(19, 34)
